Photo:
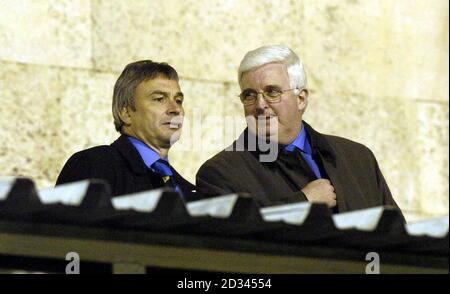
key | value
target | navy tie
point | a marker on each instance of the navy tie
(308, 158)
(312, 164)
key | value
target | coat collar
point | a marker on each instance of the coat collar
(320, 144)
(131, 155)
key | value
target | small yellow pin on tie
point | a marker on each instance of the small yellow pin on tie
(166, 178)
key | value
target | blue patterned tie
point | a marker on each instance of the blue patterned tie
(163, 169)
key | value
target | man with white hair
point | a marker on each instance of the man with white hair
(307, 165)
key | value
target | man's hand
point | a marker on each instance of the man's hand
(320, 191)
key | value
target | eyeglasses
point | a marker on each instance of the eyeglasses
(271, 95)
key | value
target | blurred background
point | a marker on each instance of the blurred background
(378, 74)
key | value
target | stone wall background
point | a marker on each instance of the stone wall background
(378, 74)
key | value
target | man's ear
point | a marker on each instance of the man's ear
(302, 99)
(125, 115)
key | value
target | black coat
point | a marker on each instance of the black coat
(121, 165)
(351, 167)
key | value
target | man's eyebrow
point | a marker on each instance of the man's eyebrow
(165, 93)
(266, 86)
(158, 92)
(272, 86)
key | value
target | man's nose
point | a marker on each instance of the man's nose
(174, 108)
(260, 103)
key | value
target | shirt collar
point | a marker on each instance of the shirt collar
(149, 156)
(301, 142)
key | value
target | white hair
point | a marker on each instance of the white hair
(275, 53)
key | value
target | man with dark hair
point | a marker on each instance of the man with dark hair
(148, 112)
(301, 164)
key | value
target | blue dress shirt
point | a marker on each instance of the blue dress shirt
(149, 156)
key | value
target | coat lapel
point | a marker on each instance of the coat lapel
(131, 155)
(348, 192)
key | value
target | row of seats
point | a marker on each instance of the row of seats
(89, 203)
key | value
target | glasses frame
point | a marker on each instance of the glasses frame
(266, 97)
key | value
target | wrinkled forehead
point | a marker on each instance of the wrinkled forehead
(159, 77)
(268, 74)
(159, 83)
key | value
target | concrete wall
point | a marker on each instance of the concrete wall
(378, 74)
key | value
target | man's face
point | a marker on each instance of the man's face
(280, 119)
(157, 120)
